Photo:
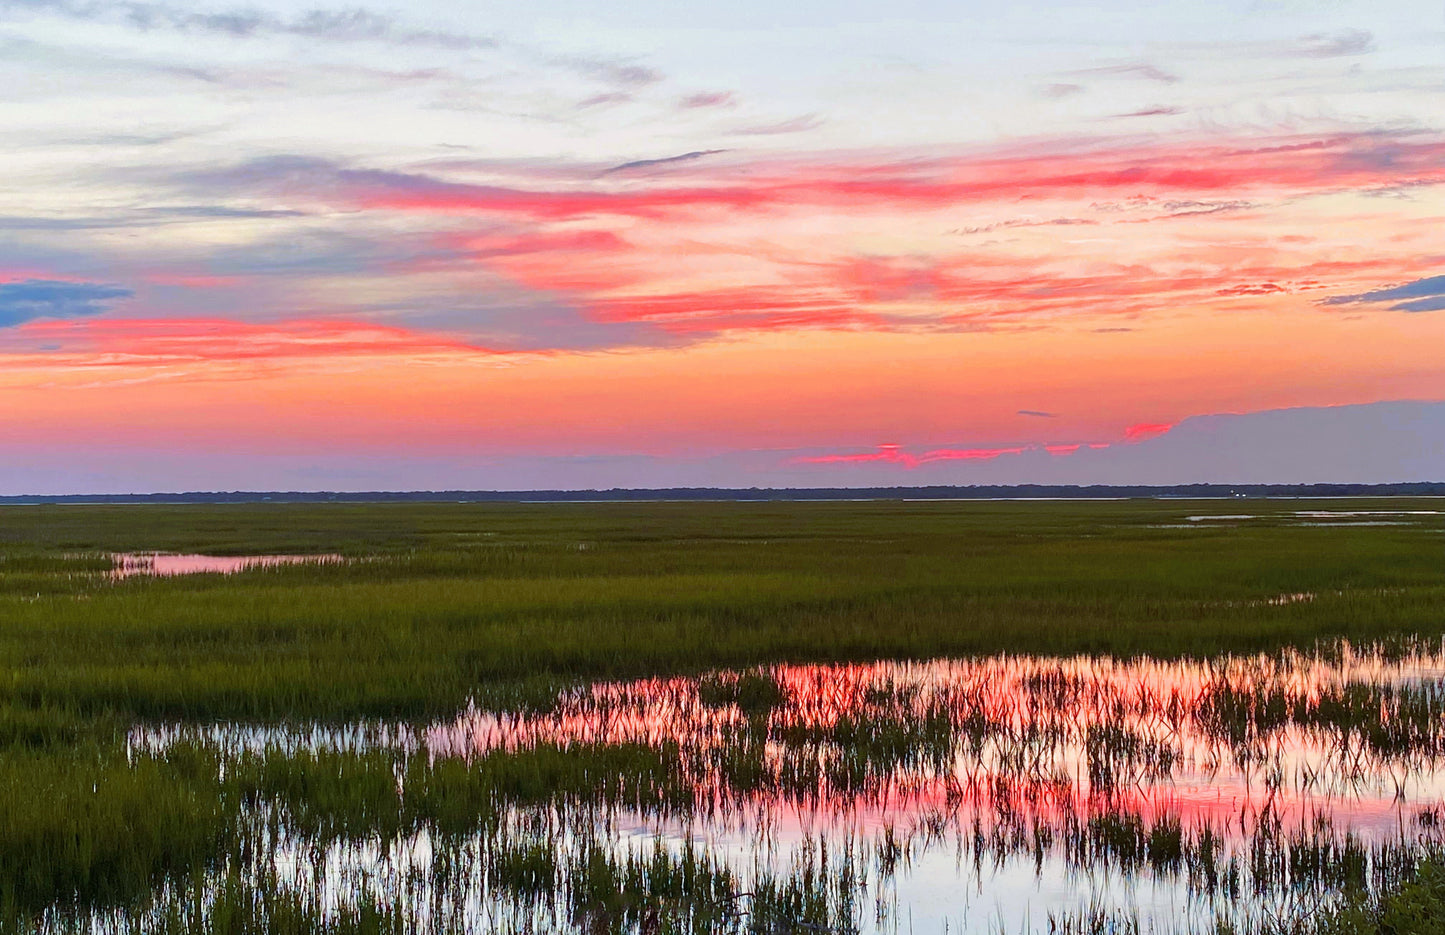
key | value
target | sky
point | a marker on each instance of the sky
(562, 244)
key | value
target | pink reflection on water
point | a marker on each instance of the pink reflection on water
(165, 564)
(1010, 744)
(1012, 786)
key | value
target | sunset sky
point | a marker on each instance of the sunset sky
(566, 244)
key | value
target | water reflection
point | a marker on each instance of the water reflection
(1321, 517)
(978, 795)
(166, 564)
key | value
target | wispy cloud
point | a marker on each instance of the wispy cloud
(144, 217)
(33, 299)
(127, 342)
(1336, 44)
(894, 454)
(795, 125)
(897, 454)
(1251, 288)
(664, 161)
(705, 99)
(1062, 89)
(1422, 295)
(1142, 70)
(608, 97)
(333, 25)
(621, 73)
(1182, 176)
(1157, 111)
(663, 251)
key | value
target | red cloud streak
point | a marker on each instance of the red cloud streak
(1347, 161)
(1145, 431)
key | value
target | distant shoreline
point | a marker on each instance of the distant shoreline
(746, 495)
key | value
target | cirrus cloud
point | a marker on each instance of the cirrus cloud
(1422, 295)
(353, 24)
(1179, 173)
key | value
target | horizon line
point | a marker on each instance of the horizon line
(1204, 490)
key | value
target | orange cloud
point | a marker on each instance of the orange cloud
(120, 342)
(919, 300)
(895, 454)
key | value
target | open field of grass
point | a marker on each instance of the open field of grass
(443, 600)
(439, 605)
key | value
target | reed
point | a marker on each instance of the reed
(517, 609)
(443, 602)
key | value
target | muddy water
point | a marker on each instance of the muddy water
(983, 795)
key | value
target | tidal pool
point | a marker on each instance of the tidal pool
(1322, 517)
(167, 564)
(1006, 794)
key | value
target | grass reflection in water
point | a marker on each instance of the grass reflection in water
(1012, 793)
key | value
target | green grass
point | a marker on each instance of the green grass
(503, 603)
(446, 600)
(1411, 905)
(81, 826)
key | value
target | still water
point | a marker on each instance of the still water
(167, 564)
(991, 795)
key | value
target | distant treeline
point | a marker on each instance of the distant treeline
(990, 492)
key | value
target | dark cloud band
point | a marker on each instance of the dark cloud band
(42, 298)
(1422, 295)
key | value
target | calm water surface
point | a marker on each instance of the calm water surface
(985, 795)
(166, 564)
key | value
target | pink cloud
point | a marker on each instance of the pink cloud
(965, 292)
(1262, 288)
(23, 274)
(615, 277)
(611, 97)
(576, 241)
(709, 99)
(1146, 430)
(192, 281)
(683, 252)
(754, 308)
(1288, 166)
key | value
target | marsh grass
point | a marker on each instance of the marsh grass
(182, 841)
(1409, 899)
(753, 693)
(501, 608)
(452, 599)
(83, 827)
(238, 906)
